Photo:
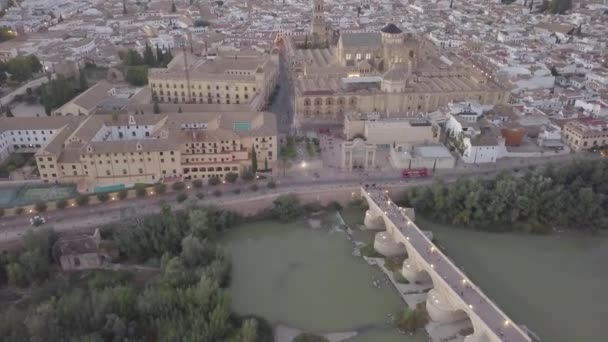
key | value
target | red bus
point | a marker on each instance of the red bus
(414, 173)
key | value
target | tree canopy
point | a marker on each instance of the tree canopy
(567, 197)
(184, 300)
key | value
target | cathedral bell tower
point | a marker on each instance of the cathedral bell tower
(319, 27)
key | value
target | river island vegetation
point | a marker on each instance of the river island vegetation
(571, 196)
(177, 294)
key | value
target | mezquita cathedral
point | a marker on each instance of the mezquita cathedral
(391, 72)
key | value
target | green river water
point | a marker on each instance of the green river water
(308, 279)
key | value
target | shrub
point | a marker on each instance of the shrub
(334, 206)
(161, 188)
(140, 190)
(231, 177)
(122, 194)
(254, 187)
(103, 197)
(19, 211)
(248, 175)
(82, 200)
(178, 186)
(40, 207)
(61, 204)
(394, 263)
(214, 181)
(182, 197)
(217, 193)
(200, 195)
(271, 185)
(197, 183)
(237, 191)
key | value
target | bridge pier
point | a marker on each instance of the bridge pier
(441, 310)
(387, 246)
(413, 273)
(373, 221)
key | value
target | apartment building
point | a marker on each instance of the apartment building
(102, 150)
(231, 78)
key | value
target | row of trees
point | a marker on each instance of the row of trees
(60, 90)
(20, 68)
(185, 301)
(136, 64)
(567, 197)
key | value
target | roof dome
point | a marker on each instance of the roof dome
(391, 28)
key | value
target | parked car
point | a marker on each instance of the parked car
(37, 221)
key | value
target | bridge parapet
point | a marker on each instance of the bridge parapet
(457, 293)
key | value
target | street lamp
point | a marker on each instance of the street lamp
(303, 164)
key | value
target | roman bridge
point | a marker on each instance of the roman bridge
(453, 296)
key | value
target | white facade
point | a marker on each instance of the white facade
(479, 154)
(595, 107)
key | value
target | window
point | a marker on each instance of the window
(368, 56)
(349, 56)
(358, 56)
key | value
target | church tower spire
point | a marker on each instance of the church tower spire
(319, 27)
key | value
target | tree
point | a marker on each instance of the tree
(160, 188)
(137, 75)
(231, 177)
(179, 110)
(214, 180)
(155, 107)
(82, 200)
(178, 186)
(149, 58)
(61, 204)
(40, 207)
(197, 183)
(103, 197)
(122, 194)
(181, 197)
(254, 160)
(249, 331)
(124, 8)
(286, 207)
(173, 7)
(9, 113)
(198, 222)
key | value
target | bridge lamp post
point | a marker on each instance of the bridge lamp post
(470, 306)
(432, 265)
(432, 249)
(507, 323)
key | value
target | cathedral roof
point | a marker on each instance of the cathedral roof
(391, 28)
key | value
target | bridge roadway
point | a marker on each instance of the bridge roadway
(498, 326)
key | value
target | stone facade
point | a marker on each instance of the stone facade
(386, 72)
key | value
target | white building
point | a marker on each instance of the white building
(481, 149)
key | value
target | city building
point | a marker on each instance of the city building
(386, 72)
(86, 102)
(127, 149)
(231, 78)
(584, 134)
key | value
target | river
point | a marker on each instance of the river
(553, 284)
(308, 279)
